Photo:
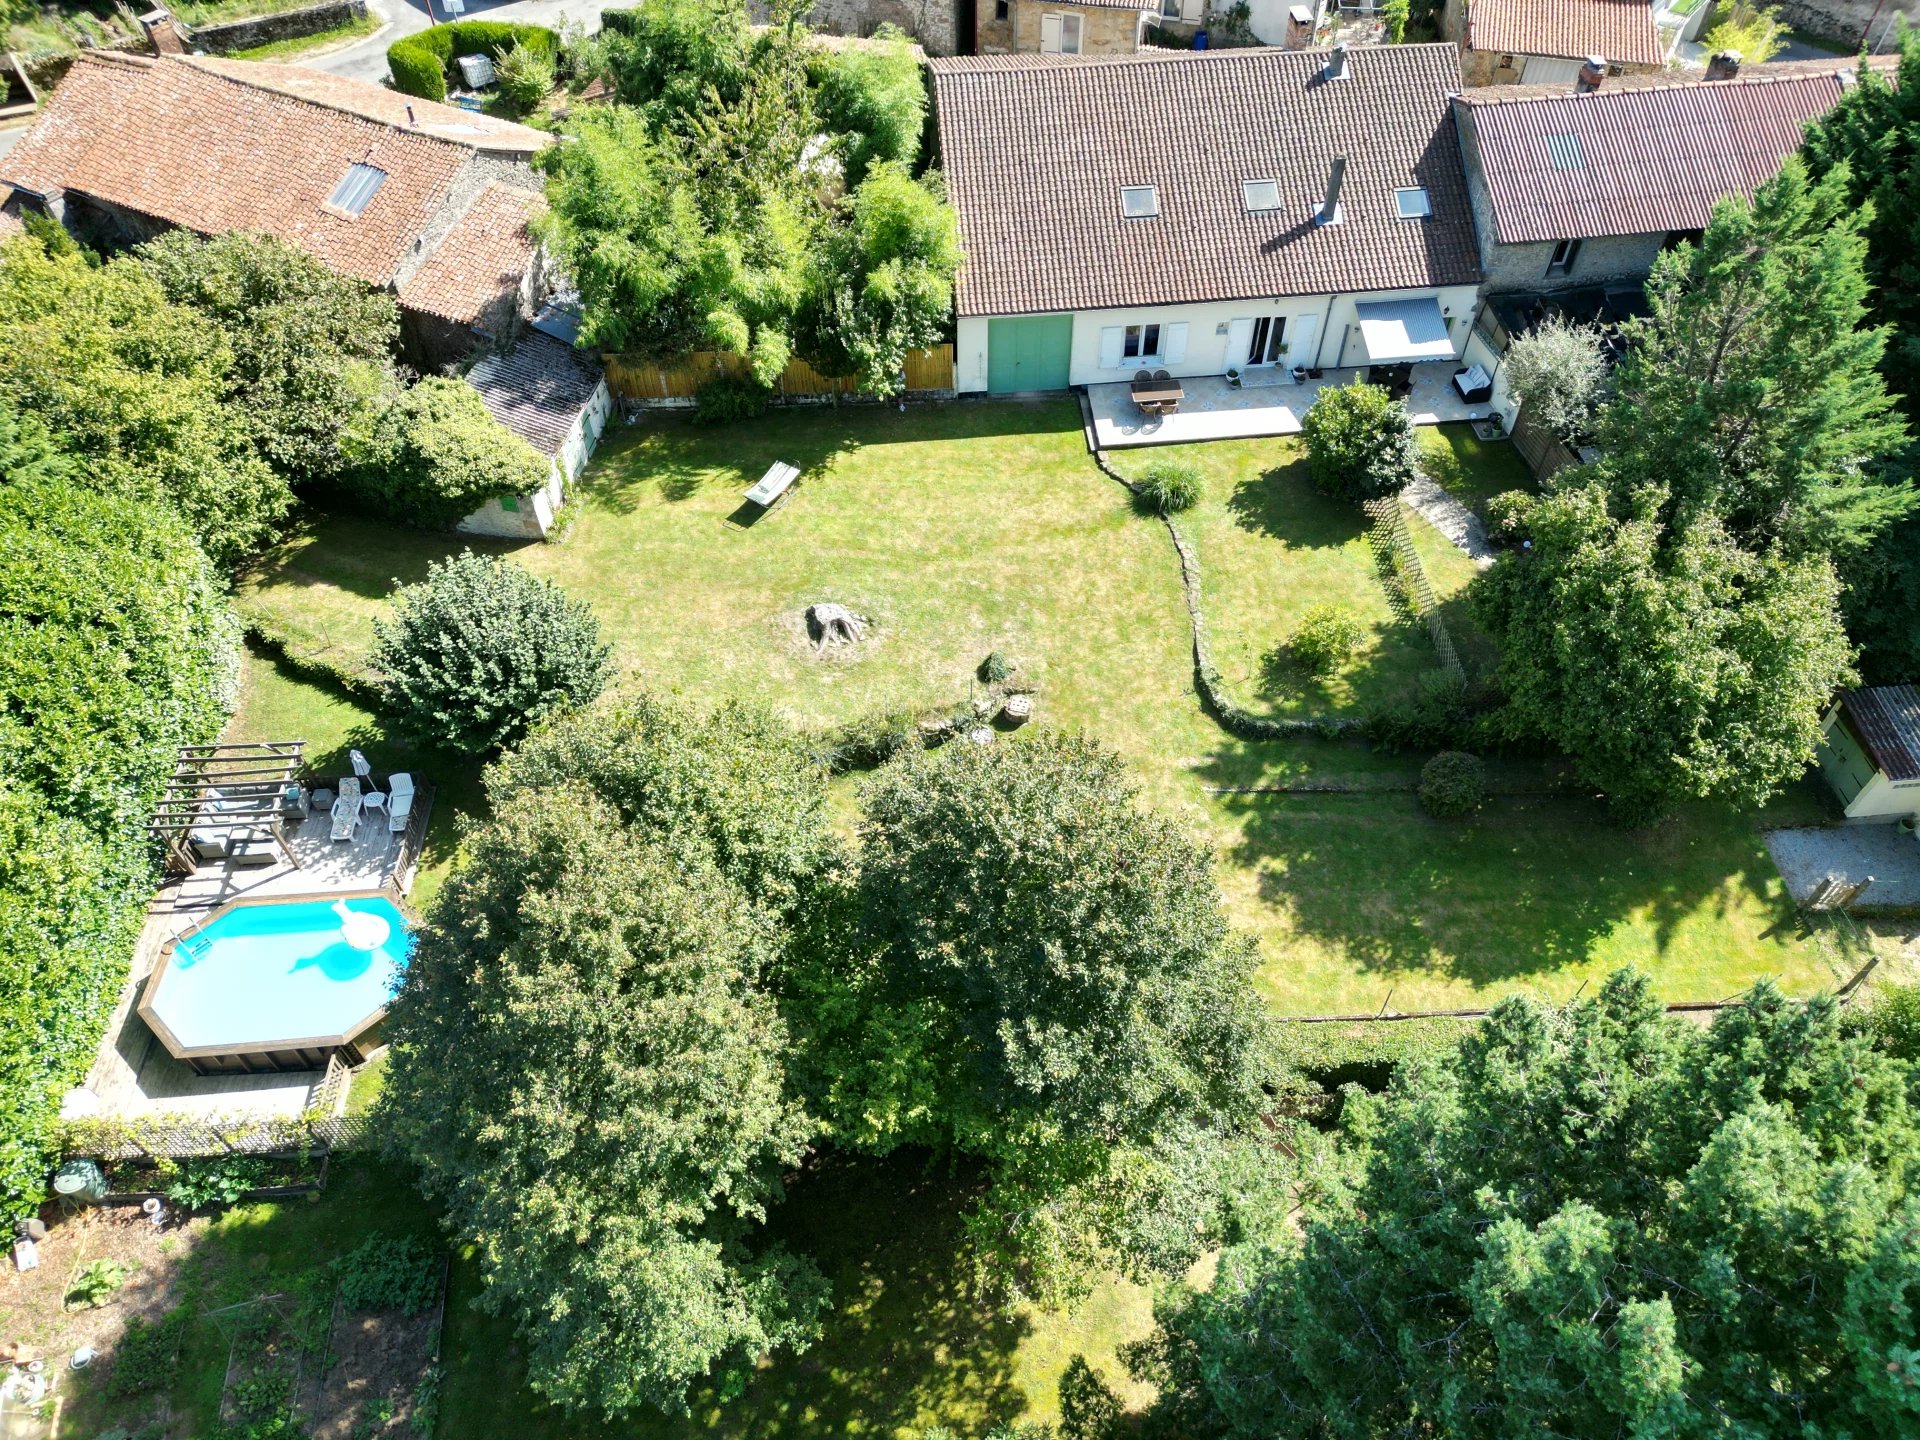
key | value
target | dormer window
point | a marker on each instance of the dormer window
(356, 188)
(1412, 204)
(1139, 202)
(1260, 196)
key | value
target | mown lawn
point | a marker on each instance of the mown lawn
(964, 528)
(1271, 547)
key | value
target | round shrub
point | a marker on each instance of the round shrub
(433, 453)
(1360, 443)
(1452, 784)
(1170, 486)
(1327, 636)
(728, 399)
(480, 651)
(1510, 517)
(996, 668)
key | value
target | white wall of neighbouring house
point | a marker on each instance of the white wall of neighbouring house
(1321, 330)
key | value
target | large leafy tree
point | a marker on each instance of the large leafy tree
(1042, 977)
(1595, 1220)
(1873, 137)
(433, 453)
(885, 282)
(875, 97)
(590, 1080)
(1670, 667)
(137, 389)
(1752, 392)
(311, 349)
(116, 648)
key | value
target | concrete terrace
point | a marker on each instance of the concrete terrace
(1267, 402)
(132, 1072)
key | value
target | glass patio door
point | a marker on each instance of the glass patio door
(1269, 343)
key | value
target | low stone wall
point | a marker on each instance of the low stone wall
(50, 68)
(1846, 20)
(287, 25)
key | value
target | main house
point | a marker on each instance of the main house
(1204, 212)
(430, 203)
(1079, 27)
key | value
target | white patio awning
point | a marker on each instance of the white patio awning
(1402, 331)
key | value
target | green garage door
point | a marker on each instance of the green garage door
(1028, 353)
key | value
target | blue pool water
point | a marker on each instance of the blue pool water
(280, 972)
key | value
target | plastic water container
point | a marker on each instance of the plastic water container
(1199, 39)
(81, 1180)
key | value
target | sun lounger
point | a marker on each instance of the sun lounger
(346, 814)
(775, 483)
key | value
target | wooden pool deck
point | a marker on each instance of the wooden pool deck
(132, 1073)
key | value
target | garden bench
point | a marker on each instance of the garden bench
(774, 484)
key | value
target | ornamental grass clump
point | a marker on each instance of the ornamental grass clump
(1170, 486)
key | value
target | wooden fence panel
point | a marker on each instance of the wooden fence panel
(930, 369)
(1545, 453)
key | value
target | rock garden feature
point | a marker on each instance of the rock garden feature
(832, 624)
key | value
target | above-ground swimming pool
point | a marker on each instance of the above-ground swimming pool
(279, 984)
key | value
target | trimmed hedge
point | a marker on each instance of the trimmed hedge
(420, 63)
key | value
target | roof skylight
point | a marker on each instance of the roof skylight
(1565, 152)
(1412, 203)
(356, 188)
(1260, 195)
(1139, 202)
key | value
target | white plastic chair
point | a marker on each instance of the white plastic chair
(400, 802)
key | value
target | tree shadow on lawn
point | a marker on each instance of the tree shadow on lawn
(361, 554)
(905, 1342)
(1282, 503)
(1530, 885)
(685, 458)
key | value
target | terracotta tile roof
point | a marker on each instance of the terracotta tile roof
(1637, 160)
(10, 216)
(376, 102)
(1621, 31)
(1887, 719)
(1888, 65)
(480, 260)
(218, 145)
(537, 389)
(97, 84)
(1037, 148)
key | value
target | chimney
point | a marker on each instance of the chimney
(162, 36)
(1337, 63)
(1299, 29)
(1723, 65)
(1591, 74)
(1330, 207)
(411, 122)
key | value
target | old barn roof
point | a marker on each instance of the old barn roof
(1621, 31)
(1638, 159)
(482, 260)
(231, 145)
(1036, 150)
(537, 389)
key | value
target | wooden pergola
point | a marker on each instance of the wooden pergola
(250, 777)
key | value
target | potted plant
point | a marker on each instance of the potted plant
(1233, 377)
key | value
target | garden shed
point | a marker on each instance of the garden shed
(554, 398)
(1870, 751)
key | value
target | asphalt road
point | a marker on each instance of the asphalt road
(367, 60)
